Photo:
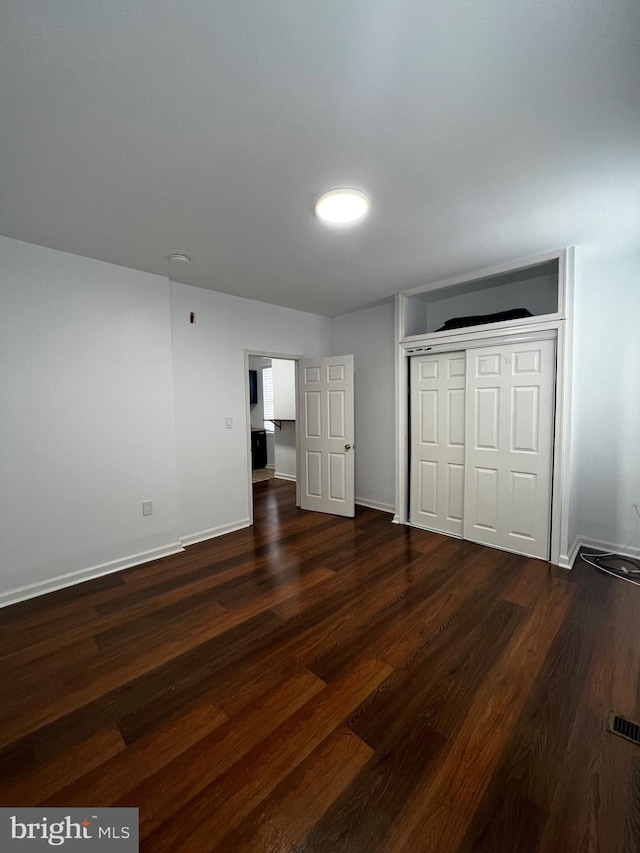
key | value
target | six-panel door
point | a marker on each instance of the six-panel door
(437, 442)
(508, 459)
(326, 437)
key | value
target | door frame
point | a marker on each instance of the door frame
(286, 357)
(559, 329)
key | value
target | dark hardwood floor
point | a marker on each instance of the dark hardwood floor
(323, 684)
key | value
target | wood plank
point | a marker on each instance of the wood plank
(533, 577)
(35, 784)
(588, 809)
(116, 689)
(363, 816)
(382, 562)
(301, 638)
(441, 810)
(301, 800)
(457, 702)
(410, 620)
(114, 776)
(168, 790)
(249, 781)
(437, 683)
(543, 729)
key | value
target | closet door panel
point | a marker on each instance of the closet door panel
(522, 512)
(486, 482)
(428, 494)
(508, 462)
(486, 425)
(455, 417)
(437, 442)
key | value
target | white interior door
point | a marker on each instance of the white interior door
(326, 436)
(509, 446)
(437, 442)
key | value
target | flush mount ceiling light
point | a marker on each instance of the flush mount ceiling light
(342, 205)
(180, 259)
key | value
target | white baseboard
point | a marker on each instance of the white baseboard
(72, 578)
(609, 548)
(214, 532)
(376, 505)
(566, 561)
(279, 476)
(33, 590)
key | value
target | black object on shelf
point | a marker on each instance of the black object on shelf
(481, 319)
(253, 386)
(258, 448)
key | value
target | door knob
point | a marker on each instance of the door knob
(347, 447)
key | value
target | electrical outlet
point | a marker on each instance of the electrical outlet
(228, 422)
(147, 507)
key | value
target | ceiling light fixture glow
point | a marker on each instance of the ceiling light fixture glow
(180, 259)
(342, 205)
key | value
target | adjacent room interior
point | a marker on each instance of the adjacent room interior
(272, 413)
(320, 432)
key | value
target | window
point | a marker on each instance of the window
(267, 396)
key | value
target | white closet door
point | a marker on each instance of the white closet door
(437, 442)
(509, 432)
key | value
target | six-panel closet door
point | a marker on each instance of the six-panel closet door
(482, 444)
(437, 442)
(509, 446)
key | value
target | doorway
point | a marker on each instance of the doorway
(313, 437)
(271, 420)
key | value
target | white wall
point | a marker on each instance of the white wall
(606, 407)
(209, 372)
(369, 335)
(271, 450)
(110, 397)
(87, 427)
(284, 389)
(284, 402)
(285, 450)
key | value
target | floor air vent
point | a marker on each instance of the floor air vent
(625, 728)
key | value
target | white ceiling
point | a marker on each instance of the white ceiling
(483, 130)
